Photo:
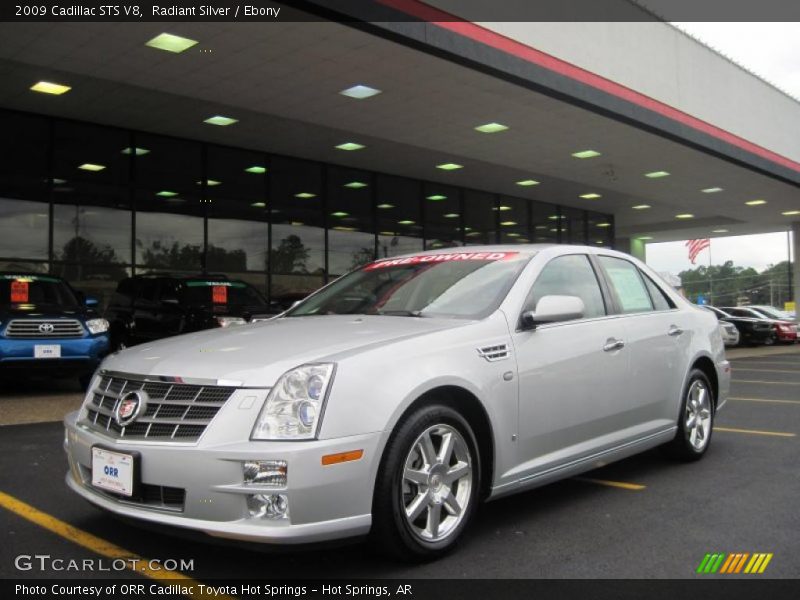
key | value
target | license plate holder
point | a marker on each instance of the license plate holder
(116, 472)
(47, 351)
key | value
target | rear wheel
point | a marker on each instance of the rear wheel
(427, 487)
(695, 421)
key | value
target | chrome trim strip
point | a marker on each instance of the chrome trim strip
(174, 379)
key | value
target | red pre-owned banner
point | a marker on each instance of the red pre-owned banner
(438, 258)
(219, 294)
(19, 292)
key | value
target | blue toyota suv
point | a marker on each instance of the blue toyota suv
(48, 327)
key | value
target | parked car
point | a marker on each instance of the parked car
(785, 330)
(150, 307)
(752, 332)
(48, 327)
(399, 396)
(730, 335)
(770, 312)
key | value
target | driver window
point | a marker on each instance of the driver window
(570, 275)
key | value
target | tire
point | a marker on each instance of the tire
(119, 340)
(697, 406)
(769, 341)
(416, 477)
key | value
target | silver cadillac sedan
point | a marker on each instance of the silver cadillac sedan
(394, 400)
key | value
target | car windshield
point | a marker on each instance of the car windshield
(230, 293)
(465, 285)
(771, 313)
(35, 290)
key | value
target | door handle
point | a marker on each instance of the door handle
(674, 330)
(613, 344)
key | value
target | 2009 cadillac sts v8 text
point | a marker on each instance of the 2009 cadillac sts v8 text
(394, 400)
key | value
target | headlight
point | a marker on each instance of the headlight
(96, 326)
(229, 321)
(293, 407)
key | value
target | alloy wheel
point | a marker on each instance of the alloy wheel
(698, 415)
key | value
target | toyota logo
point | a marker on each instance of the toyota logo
(46, 328)
(129, 407)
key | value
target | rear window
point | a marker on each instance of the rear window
(220, 293)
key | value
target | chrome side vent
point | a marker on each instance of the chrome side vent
(494, 353)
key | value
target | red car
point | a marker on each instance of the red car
(785, 331)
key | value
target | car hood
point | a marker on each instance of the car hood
(257, 354)
(40, 311)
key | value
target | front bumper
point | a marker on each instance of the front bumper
(325, 502)
(76, 354)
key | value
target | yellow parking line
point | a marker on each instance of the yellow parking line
(761, 381)
(615, 484)
(755, 431)
(764, 400)
(134, 562)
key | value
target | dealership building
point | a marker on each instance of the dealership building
(286, 153)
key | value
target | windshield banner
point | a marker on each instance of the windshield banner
(438, 258)
(219, 294)
(19, 292)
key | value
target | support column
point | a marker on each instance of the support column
(796, 268)
(632, 246)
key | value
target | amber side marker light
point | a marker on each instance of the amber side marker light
(335, 459)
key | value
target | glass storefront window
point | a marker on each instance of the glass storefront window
(399, 220)
(91, 153)
(546, 223)
(575, 225)
(514, 220)
(351, 229)
(443, 215)
(480, 218)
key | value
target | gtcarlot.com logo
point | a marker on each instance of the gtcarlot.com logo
(733, 563)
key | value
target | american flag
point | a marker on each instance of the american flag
(696, 247)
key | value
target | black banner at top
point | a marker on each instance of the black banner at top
(398, 10)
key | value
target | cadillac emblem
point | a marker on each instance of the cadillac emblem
(130, 406)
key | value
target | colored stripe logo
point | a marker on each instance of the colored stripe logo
(734, 563)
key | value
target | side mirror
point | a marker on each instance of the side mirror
(550, 309)
(91, 301)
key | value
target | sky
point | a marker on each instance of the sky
(757, 251)
(771, 51)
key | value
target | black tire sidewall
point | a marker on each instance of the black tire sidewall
(389, 521)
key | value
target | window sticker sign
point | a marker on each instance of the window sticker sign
(19, 292)
(440, 258)
(219, 294)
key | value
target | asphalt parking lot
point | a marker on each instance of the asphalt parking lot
(645, 517)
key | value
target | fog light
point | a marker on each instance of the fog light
(268, 506)
(265, 472)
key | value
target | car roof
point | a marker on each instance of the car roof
(29, 274)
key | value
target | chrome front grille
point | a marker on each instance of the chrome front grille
(174, 411)
(44, 328)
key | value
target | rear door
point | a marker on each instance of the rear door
(658, 338)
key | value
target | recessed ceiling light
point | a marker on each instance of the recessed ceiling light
(474, 233)
(209, 182)
(437, 197)
(221, 120)
(171, 43)
(91, 167)
(304, 195)
(384, 206)
(340, 214)
(726, 231)
(167, 194)
(640, 207)
(790, 213)
(656, 174)
(451, 216)
(586, 154)
(513, 234)
(259, 204)
(355, 185)
(360, 92)
(405, 222)
(449, 166)
(685, 216)
(136, 151)
(350, 146)
(508, 223)
(590, 196)
(503, 208)
(386, 233)
(342, 228)
(604, 224)
(296, 223)
(711, 190)
(755, 202)
(47, 87)
(256, 169)
(527, 182)
(541, 227)
(58, 181)
(491, 128)
(644, 238)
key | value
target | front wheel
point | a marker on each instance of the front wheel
(695, 421)
(428, 485)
